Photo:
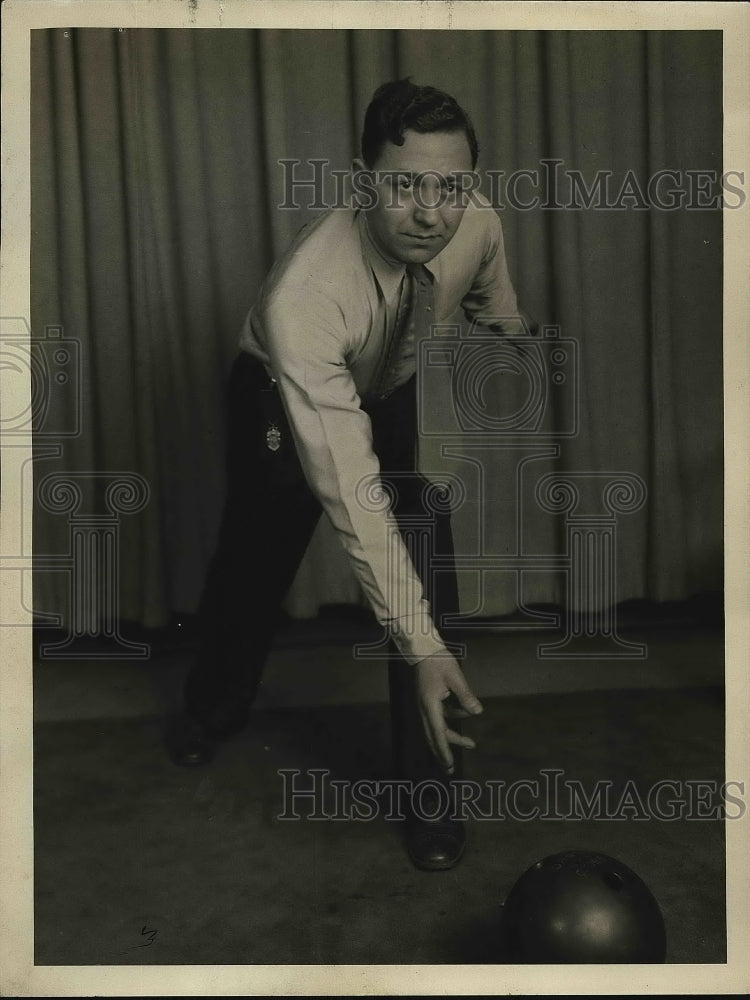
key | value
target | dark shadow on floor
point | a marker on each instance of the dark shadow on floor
(140, 862)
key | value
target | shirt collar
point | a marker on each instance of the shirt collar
(389, 274)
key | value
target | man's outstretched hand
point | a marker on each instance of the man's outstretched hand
(439, 677)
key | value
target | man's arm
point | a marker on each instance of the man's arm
(491, 300)
(306, 341)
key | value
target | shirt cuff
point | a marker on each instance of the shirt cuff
(415, 637)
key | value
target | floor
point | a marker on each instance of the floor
(138, 862)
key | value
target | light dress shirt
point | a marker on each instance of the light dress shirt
(321, 326)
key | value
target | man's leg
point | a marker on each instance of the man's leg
(268, 520)
(427, 534)
(435, 841)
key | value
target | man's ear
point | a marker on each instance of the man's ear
(358, 164)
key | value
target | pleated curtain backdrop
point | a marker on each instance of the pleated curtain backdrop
(156, 188)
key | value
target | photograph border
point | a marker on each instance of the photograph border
(20, 977)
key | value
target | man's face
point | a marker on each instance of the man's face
(419, 201)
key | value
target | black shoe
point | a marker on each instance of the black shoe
(435, 835)
(435, 845)
(190, 744)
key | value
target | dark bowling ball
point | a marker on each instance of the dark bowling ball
(582, 907)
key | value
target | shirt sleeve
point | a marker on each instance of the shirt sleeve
(306, 341)
(491, 300)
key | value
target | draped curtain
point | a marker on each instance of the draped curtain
(156, 194)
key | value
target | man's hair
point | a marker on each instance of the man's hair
(401, 105)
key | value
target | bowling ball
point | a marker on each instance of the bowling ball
(582, 907)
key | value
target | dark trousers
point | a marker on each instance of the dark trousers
(269, 517)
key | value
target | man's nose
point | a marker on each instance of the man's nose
(426, 213)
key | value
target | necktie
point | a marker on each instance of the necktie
(415, 314)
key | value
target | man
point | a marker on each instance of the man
(323, 406)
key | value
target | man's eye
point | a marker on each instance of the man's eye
(405, 183)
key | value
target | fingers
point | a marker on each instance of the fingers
(445, 694)
(459, 739)
(460, 691)
(426, 725)
(452, 709)
(439, 737)
(466, 697)
(436, 733)
(450, 712)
